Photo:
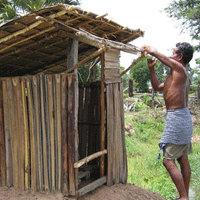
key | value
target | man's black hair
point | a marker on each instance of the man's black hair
(187, 50)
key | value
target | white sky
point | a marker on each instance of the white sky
(161, 31)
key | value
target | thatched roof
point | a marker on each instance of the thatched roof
(38, 41)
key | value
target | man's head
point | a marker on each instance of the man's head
(186, 50)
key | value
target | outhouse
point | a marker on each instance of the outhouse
(57, 134)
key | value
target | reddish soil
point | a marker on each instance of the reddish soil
(115, 192)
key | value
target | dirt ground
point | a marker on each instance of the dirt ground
(115, 192)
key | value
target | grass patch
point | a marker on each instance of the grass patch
(144, 169)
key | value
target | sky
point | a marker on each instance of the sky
(161, 31)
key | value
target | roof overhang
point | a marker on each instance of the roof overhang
(38, 41)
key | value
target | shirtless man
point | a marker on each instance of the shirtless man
(176, 137)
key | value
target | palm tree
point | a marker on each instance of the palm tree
(10, 9)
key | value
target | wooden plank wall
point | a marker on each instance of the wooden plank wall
(34, 119)
(117, 160)
(89, 119)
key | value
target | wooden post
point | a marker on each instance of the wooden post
(130, 88)
(71, 136)
(26, 137)
(102, 147)
(72, 59)
(2, 141)
(64, 135)
(32, 137)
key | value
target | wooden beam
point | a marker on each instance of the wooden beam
(26, 39)
(133, 64)
(2, 141)
(96, 41)
(90, 187)
(86, 60)
(89, 158)
(32, 26)
(102, 143)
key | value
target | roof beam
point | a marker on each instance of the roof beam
(96, 41)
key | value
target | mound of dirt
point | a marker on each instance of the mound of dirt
(115, 192)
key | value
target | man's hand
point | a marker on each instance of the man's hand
(151, 62)
(149, 49)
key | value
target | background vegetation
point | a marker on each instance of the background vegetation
(144, 127)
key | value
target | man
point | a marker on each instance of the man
(176, 137)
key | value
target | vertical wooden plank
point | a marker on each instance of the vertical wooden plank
(76, 97)
(48, 136)
(71, 134)
(15, 135)
(123, 172)
(20, 134)
(110, 133)
(64, 92)
(6, 111)
(37, 125)
(2, 141)
(26, 135)
(117, 134)
(44, 134)
(58, 127)
(51, 120)
(102, 143)
(32, 136)
(10, 129)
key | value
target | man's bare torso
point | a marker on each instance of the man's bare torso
(176, 89)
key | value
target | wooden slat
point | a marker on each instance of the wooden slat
(51, 121)
(9, 117)
(64, 113)
(48, 135)
(110, 133)
(26, 136)
(71, 135)
(32, 136)
(58, 128)
(15, 136)
(2, 141)
(102, 142)
(43, 116)
(123, 171)
(37, 129)
(6, 106)
(90, 187)
(21, 138)
(117, 133)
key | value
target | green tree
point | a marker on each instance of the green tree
(10, 9)
(140, 74)
(188, 12)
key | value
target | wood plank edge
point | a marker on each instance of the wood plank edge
(92, 186)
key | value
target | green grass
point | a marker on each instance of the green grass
(144, 169)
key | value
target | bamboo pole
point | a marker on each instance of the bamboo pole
(26, 39)
(89, 158)
(26, 135)
(102, 144)
(87, 59)
(143, 55)
(93, 40)
(32, 26)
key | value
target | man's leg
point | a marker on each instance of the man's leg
(176, 176)
(185, 170)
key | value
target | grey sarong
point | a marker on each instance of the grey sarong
(178, 128)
